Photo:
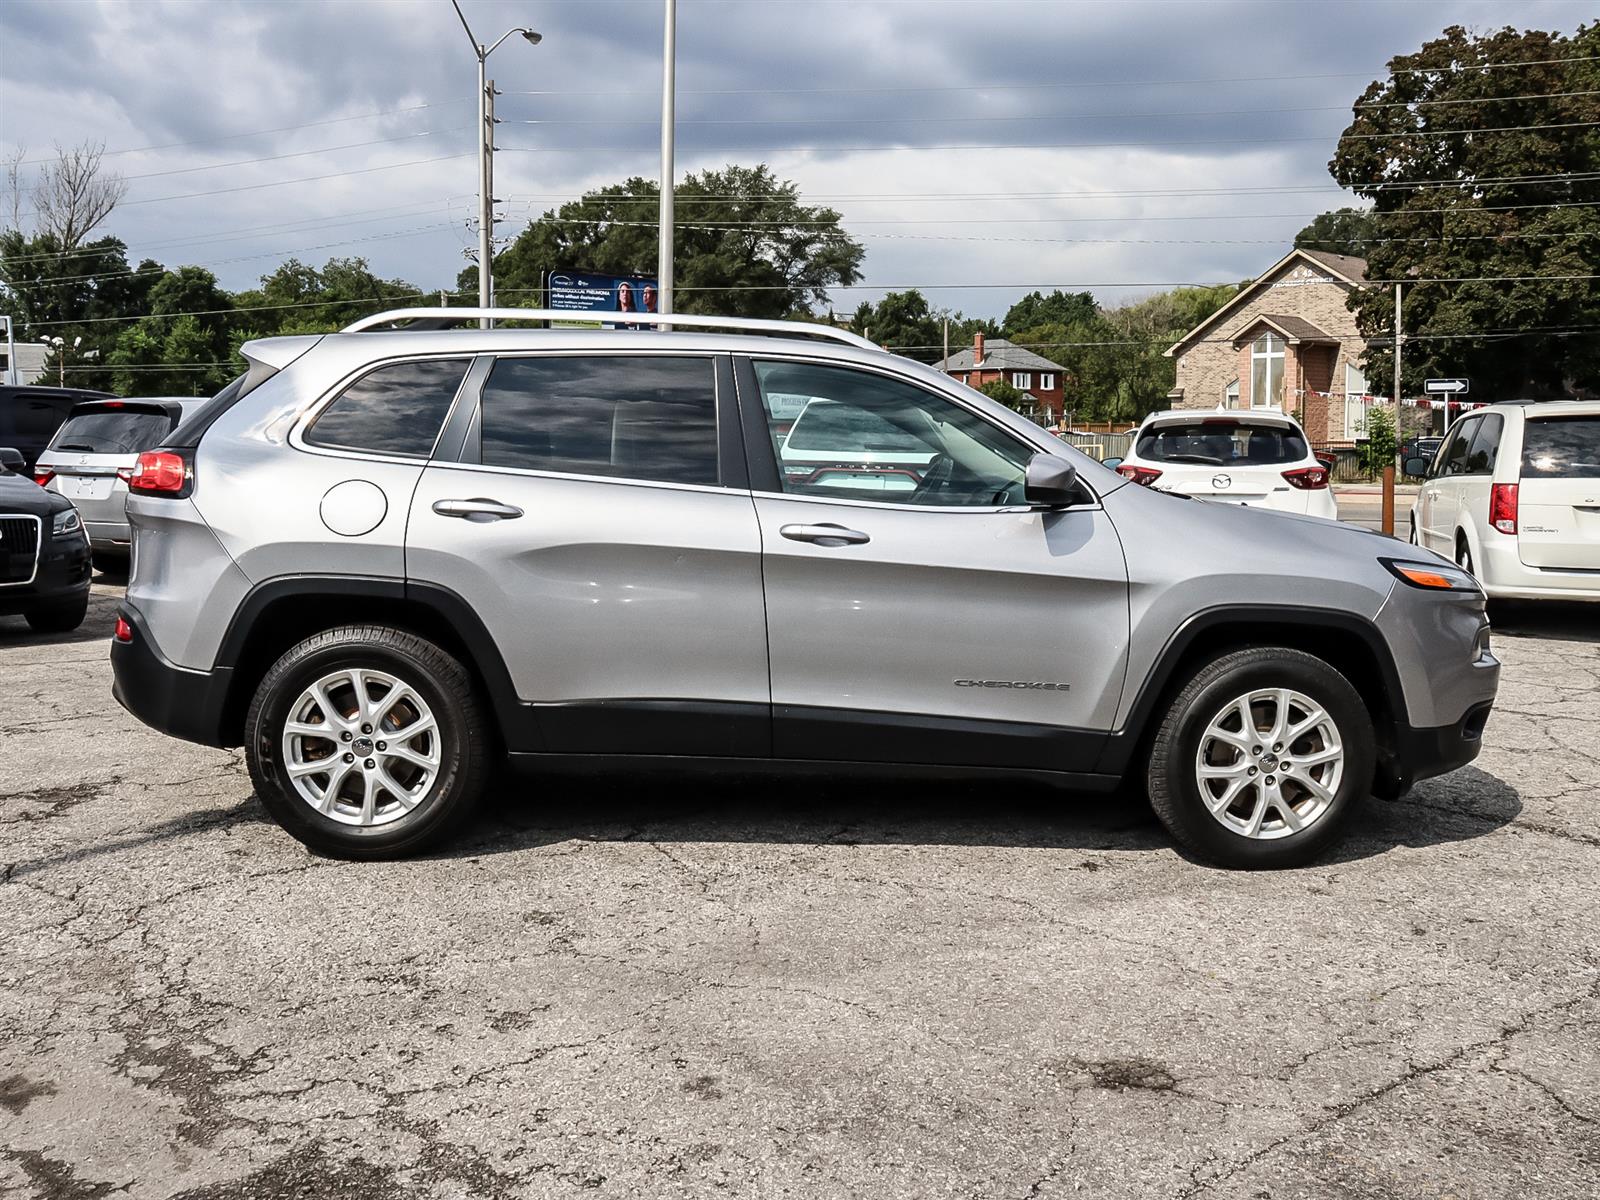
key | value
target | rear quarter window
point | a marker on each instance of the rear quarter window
(1561, 448)
(396, 409)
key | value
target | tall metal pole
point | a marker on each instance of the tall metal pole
(485, 191)
(1398, 336)
(669, 54)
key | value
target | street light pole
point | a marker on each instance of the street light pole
(669, 56)
(486, 157)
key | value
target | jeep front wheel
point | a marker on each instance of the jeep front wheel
(1261, 758)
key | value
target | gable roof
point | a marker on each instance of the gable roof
(1346, 268)
(1293, 329)
(999, 355)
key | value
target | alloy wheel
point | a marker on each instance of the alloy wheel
(1269, 763)
(361, 747)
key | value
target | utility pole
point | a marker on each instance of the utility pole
(669, 55)
(486, 156)
(947, 342)
(1398, 338)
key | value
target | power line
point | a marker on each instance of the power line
(244, 162)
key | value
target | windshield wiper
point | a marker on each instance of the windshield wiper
(84, 446)
(1192, 458)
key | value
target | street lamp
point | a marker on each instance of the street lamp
(60, 347)
(486, 156)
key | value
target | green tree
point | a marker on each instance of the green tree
(903, 322)
(1501, 240)
(999, 389)
(1342, 231)
(743, 244)
(1058, 308)
(1378, 451)
(296, 298)
(188, 332)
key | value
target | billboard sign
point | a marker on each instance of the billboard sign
(580, 291)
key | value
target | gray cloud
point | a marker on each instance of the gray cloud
(802, 85)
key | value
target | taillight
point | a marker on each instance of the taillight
(1143, 476)
(1307, 479)
(42, 475)
(1503, 507)
(160, 473)
(124, 631)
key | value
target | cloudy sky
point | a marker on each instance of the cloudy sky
(978, 149)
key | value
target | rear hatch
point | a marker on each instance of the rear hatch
(1226, 460)
(1558, 500)
(97, 441)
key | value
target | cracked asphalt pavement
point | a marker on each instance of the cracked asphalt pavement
(632, 987)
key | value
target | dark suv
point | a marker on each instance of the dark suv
(30, 416)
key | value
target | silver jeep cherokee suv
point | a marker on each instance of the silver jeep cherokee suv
(383, 558)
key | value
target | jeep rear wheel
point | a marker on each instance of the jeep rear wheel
(367, 742)
(1261, 758)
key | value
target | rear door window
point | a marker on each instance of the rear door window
(651, 418)
(396, 409)
(1486, 445)
(1561, 448)
(125, 430)
(1222, 444)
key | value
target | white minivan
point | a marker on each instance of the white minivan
(1513, 495)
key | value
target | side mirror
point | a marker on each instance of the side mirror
(1415, 467)
(1051, 482)
(1113, 463)
(11, 459)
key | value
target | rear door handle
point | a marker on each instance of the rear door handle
(824, 535)
(476, 507)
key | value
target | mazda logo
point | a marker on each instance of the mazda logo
(1221, 481)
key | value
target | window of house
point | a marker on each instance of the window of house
(1230, 395)
(1021, 379)
(1047, 382)
(1266, 372)
(1355, 402)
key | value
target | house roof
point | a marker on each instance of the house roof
(999, 355)
(1346, 268)
(1294, 329)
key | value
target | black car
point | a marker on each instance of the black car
(44, 554)
(1424, 447)
(30, 416)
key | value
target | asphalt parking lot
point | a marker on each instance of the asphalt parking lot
(628, 987)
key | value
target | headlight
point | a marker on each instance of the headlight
(1433, 577)
(68, 522)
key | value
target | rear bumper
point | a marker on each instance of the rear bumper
(1505, 577)
(1422, 753)
(174, 700)
(63, 574)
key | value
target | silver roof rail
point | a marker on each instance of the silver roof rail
(677, 320)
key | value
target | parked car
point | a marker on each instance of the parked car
(30, 416)
(383, 557)
(1257, 458)
(1424, 447)
(44, 556)
(1513, 496)
(92, 456)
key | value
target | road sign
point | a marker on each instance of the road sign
(1446, 387)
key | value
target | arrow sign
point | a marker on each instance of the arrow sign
(1446, 387)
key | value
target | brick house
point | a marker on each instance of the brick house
(1286, 341)
(1043, 381)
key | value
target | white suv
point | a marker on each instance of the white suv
(1513, 495)
(1257, 458)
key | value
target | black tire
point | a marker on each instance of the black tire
(61, 617)
(1464, 555)
(444, 685)
(1175, 790)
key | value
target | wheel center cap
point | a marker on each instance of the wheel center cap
(1268, 763)
(362, 746)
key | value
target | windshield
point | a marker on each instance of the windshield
(1566, 448)
(113, 431)
(1222, 444)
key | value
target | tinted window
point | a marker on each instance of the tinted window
(867, 437)
(1216, 443)
(32, 419)
(113, 431)
(1486, 445)
(633, 417)
(1568, 448)
(1453, 458)
(397, 409)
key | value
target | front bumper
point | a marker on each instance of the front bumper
(63, 574)
(1422, 753)
(172, 699)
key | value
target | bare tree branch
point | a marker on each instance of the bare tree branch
(13, 186)
(75, 193)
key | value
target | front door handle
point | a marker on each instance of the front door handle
(477, 508)
(824, 535)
